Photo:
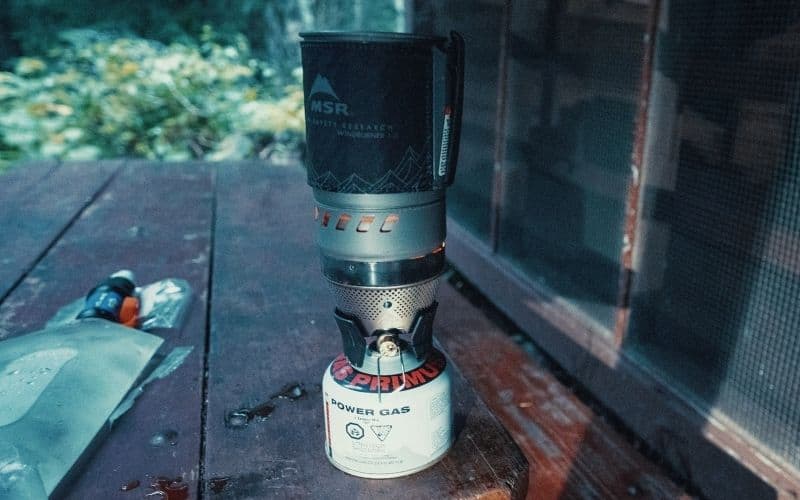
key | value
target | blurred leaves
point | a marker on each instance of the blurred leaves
(94, 95)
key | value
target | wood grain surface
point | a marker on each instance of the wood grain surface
(242, 235)
(38, 201)
(573, 453)
(156, 221)
(245, 243)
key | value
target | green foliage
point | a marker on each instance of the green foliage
(110, 78)
(31, 27)
(97, 96)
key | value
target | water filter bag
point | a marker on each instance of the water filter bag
(58, 387)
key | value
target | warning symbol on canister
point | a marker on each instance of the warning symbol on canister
(354, 430)
(381, 431)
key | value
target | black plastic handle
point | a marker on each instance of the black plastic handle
(455, 100)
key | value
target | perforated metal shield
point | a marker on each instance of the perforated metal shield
(383, 308)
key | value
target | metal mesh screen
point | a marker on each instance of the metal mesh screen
(716, 303)
(385, 307)
(573, 84)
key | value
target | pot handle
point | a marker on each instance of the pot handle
(455, 101)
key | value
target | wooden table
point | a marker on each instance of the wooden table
(242, 235)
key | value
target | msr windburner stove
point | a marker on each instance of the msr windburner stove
(383, 115)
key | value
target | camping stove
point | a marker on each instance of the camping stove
(383, 113)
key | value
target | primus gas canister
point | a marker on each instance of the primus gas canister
(383, 115)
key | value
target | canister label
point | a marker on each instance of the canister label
(345, 375)
(399, 433)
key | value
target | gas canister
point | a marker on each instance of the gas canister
(387, 424)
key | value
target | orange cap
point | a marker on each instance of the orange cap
(129, 312)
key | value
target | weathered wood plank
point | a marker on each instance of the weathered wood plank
(38, 201)
(271, 325)
(572, 452)
(155, 220)
(23, 176)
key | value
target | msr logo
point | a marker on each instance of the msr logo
(322, 88)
